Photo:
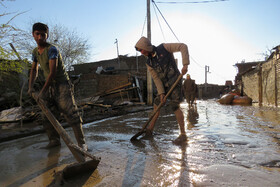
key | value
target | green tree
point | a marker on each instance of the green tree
(12, 77)
(9, 34)
(74, 48)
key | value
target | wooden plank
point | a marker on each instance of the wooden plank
(113, 89)
(99, 105)
(120, 91)
(61, 131)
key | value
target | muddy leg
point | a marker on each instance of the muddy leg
(70, 111)
(54, 138)
(180, 119)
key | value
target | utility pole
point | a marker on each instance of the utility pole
(149, 77)
(116, 42)
(206, 71)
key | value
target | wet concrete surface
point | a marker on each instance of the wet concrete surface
(227, 146)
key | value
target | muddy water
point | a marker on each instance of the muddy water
(226, 146)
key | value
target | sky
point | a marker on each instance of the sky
(218, 34)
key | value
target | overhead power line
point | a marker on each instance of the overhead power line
(158, 21)
(173, 31)
(165, 20)
(196, 62)
(155, 5)
(144, 26)
(191, 2)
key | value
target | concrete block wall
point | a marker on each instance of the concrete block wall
(268, 83)
(212, 91)
(269, 74)
(278, 81)
(251, 85)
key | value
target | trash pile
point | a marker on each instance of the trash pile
(112, 102)
(116, 101)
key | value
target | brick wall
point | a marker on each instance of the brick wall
(90, 84)
(86, 87)
(106, 82)
(126, 64)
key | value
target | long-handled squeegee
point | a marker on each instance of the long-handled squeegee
(80, 155)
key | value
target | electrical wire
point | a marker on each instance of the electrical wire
(159, 22)
(175, 34)
(144, 25)
(196, 62)
(165, 20)
(192, 2)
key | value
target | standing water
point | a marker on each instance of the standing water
(227, 146)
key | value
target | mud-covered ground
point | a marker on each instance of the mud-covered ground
(226, 146)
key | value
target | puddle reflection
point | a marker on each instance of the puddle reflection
(192, 117)
(243, 136)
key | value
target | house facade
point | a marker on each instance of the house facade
(261, 82)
